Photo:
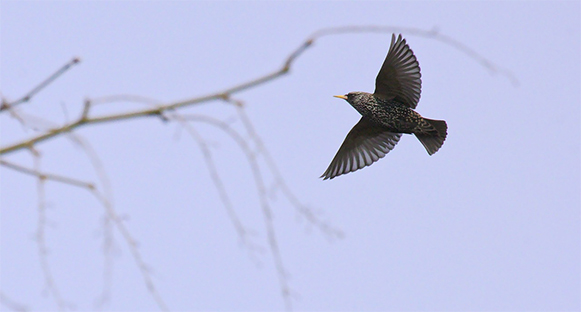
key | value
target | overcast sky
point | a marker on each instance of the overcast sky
(489, 222)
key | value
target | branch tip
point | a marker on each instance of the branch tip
(86, 108)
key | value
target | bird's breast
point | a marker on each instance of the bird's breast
(397, 118)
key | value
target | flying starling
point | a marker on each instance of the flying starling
(386, 114)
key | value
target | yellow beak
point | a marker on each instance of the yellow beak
(341, 97)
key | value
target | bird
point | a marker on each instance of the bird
(386, 114)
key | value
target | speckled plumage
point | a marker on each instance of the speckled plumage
(391, 114)
(387, 114)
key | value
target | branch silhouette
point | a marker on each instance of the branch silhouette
(170, 111)
(225, 94)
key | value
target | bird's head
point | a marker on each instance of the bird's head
(356, 99)
(352, 96)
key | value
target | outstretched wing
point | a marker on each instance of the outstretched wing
(400, 77)
(365, 144)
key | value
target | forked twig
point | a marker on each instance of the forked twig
(265, 206)
(242, 231)
(330, 231)
(165, 110)
(157, 111)
(110, 212)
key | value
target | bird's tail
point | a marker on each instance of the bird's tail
(432, 134)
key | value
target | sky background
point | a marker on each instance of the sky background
(490, 222)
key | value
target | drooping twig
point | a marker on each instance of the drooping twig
(265, 206)
(104, 198)
(110, 213)
(145, 273)
(108, 252)
(161, 109)
(109, 223)
(41, 239)
(242, 231)
(330, 231)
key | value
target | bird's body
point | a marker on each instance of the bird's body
(387, 114)
(394, 116)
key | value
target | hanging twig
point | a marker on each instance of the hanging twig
(162, 110)
(264, 204)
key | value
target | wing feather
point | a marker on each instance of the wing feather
(365, 144)
(399, 77)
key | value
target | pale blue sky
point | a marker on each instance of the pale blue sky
(490, 222)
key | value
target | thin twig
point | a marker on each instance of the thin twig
(224, 94)
(11, 304)
(434, 34)
(157, 111)
(6, 105)
(145, 272)
(265, 206)
(41, 240)
(126, 98)
(243, 233)
(305, 211)
(109, 216)
(108, 250)
(105, 198)
(110, 212)
(112, 215)
(30, 121)
(161, 109)
(47, 176)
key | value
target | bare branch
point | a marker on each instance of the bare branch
(105, 200)
(108, 250)
(434, 34)
(47, 176)
(86, 108)
(108, 222)
(243, 233)
(265, 206)
(165, 111)
(133, 247)
(110, 212)
(6, 105)
(126, 98)
(305, 211)
(41, 240)
(11, 304)
(225, 94)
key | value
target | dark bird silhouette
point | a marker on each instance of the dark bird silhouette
(387, 114)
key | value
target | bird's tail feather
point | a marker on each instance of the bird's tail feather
(432, 135)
